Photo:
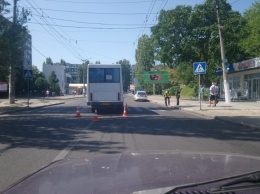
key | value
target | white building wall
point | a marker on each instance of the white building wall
(60, 73)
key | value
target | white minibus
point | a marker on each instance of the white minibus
(105, 87)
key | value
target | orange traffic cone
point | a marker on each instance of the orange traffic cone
(125, 113)
(78, 113)
(95, 118)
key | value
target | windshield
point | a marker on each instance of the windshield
(121, 96)
(104, 75)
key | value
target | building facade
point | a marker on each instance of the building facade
(60, 73)
(244, 80)
(65, 74)
(72, 70)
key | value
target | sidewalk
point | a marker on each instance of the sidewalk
(245, 113)
(22, 103)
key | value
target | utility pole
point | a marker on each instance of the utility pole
(12, 70)
(84, 88)
(223, 58)
(83, 75)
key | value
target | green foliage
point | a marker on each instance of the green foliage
(53, 78)
(3, 7)
(48, 61)
(40, 84)
(125, 64)
(80, 72)
(39, 81)
(187, 92)
(62, 62)
(168, 34)
(54, 83)
(185, 35)
(144, 58)
(251, 40)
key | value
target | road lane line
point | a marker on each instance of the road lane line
(66, 150)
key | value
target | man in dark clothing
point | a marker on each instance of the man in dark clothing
(178, 95)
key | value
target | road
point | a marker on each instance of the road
(34, 138)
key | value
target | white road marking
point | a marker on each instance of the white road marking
(65, 151)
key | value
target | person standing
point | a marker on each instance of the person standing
(167, 97)
(47, 93)
(213, 94)
(178, 95)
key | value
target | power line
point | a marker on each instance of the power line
(39, 52)
(96, 28)
(234, 2)
(146, 20)
(104, 2)
(88, 12)
(91, 23)
(59, 37)
(80, 49)
(55, 33)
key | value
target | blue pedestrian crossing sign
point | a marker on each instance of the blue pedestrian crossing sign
(27, 73)
(199, 68)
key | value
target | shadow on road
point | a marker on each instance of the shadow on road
(57, 131)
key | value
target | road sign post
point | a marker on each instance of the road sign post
(27, 74)
(199, 68)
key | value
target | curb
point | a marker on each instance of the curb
(251, 126)
(61, 101)
(27, 108)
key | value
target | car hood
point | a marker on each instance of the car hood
(131, 171)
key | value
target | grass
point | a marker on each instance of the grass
(188, 93)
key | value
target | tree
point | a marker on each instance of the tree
(80, 71)
(186, 35)
(62, 62)
(125, 64)
(172, 27)
(48, 61)
(54, 83)
(251, 41)
(144, 55)
(40, 83)
(3, 7)
(12, 40)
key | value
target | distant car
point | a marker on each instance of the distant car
(140, 96)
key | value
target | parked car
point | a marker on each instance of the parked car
(140, 95)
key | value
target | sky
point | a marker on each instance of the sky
(96, 30)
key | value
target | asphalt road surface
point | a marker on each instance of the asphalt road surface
(34, 138)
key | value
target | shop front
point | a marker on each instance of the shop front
(244, 80)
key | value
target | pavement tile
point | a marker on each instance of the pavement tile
(245, 113)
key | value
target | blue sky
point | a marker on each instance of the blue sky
(97, 30)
